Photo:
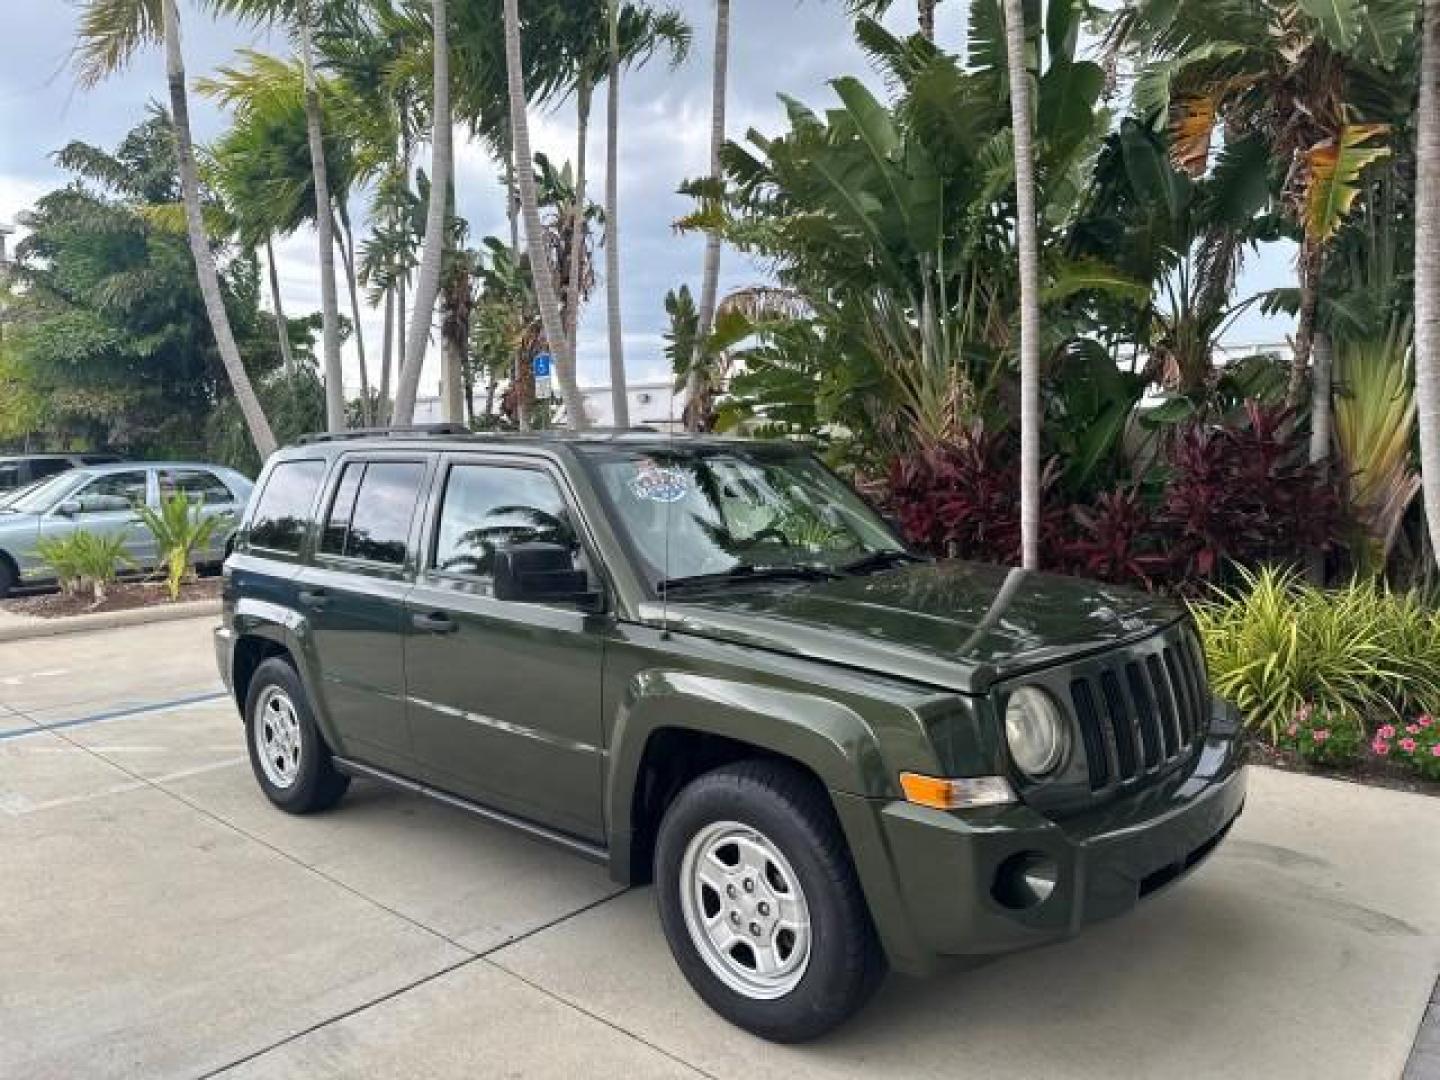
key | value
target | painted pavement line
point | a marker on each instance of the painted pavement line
(147, 709)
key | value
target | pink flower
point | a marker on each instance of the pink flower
(1302, 714)
(1320, 734)
(1412, 729)
(1386, 732)
(1293, 730)
(1408, 745)
(1380, 746)
(1435, 750)
(1425, 721)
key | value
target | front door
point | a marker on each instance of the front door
(504, 698)
(354, 599)
(109, 505)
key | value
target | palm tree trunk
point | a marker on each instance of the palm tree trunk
(347, 254)
(454, 324)
(386, 353)
(1027, 232)
(1322, 425)
(427, 286)
(1427, 270)
(329, 303)
(927, 19)
(550, 314)
(209, 277)
(282, 325)
(1312, 264)
(584, 95)
(710, 280)
(619, 395)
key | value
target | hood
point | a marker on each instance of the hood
(957, 625)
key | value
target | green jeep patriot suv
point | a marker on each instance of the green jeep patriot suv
(708, 664)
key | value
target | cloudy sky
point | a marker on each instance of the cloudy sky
(777, 46)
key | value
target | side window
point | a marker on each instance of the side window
(196, 485)
(117, 492)
(284, 507)
(372, 511)
(488, 507)
(49, 467)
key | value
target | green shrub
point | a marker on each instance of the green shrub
(62, 555)
(181, 528)
(1415, 743)
(85, 558)
(1324, 738)
(1277, 646)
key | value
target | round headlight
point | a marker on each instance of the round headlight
(1036, 730)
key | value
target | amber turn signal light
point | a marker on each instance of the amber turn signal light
(956, 794)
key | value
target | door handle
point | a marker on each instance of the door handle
(314, 598)
(435, 623)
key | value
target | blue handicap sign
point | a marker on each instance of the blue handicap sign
(541, 365)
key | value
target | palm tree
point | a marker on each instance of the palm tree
(710, 280)
(550, 314)
(427, 287)
(111, 31)
(924, 11)
(1427, 268)
(608, 37)
(619, 397)
(1027, 234)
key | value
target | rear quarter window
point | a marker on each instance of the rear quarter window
(282, 513)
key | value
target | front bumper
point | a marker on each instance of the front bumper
(937, 897)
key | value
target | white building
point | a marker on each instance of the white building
(652, 404)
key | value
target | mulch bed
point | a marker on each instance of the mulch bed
(123, 596)
(1370, 770)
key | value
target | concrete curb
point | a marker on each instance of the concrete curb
(23, 627)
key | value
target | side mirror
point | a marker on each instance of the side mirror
(541, 573)
(69, 508)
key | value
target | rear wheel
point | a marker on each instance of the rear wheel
(761, 905)
(287, 752)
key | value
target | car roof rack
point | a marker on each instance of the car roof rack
(407, 432)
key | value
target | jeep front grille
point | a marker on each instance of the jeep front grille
(1142, 716)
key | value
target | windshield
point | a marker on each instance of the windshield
(37, 498)
(693, 512)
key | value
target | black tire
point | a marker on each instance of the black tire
(316, 783)
(793, 813)
(8, 578)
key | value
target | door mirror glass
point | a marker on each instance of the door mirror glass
(540, 573)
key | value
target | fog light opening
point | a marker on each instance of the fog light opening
(1025, 880)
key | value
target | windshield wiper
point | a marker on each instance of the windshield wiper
(747, 573)
(879, 560)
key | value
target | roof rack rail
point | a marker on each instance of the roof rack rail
(408, 431)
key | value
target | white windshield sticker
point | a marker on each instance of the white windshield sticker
(655, 483)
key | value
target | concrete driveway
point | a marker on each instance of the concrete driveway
(159, 918)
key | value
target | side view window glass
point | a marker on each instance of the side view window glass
(195, 485)
(284, 507)
(488, 507)
(115, 493)
(373, 509)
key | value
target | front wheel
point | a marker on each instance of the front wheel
(761, 905)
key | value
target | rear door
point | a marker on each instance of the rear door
(354, 593)
(504, 697)
(214, 498)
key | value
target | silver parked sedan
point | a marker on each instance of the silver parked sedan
(105, 499)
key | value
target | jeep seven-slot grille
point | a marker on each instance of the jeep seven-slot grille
(1141, 716)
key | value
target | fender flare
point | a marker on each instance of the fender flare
(291, 631)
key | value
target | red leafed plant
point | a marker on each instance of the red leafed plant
(1231, 493)
(962, 500)
(1243, 494)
